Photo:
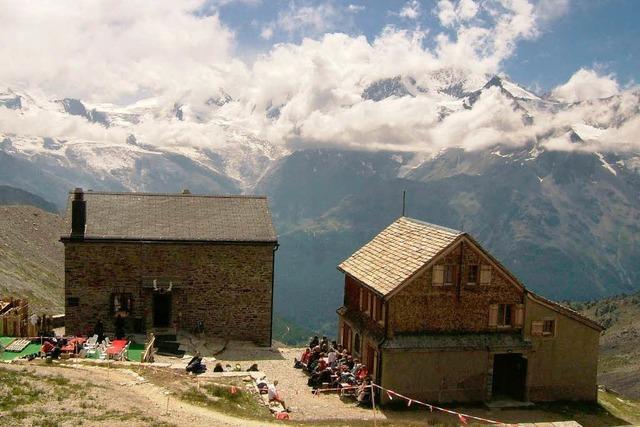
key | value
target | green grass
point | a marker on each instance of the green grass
(16, 391)
(219, 398)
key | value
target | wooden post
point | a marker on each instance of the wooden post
(373, 405)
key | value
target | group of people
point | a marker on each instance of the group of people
(331, 365)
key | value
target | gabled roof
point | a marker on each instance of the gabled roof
(175, 217)
(395, 254)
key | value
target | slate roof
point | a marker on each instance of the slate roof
(457, 341)
(175, 217)
(397, 252)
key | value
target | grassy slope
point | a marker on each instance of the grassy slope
(31, 257)
(619, 365)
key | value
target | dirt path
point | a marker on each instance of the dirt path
(121, 393)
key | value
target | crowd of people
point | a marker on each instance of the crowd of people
(331, 366)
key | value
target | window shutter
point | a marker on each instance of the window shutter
(536, 328)
(493, 316)
(519, 318)
(361, 300)
(485, 274)
(438, 275)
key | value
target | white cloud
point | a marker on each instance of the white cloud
(586, 84)
(267, 32)
(449, 14)
(109, 53)
(411, 10)
(355, 8)
(111, 50)
(307, 20)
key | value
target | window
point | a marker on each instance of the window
(448, 275)
(356, 344)
(121, 303)
(536, 328)
(472, 274)
(504, 315)
(549, 328)
(73, 302)
(485, 274)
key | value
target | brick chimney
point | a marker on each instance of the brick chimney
(78, 214)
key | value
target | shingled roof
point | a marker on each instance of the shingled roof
(175, 217)
(397, 253)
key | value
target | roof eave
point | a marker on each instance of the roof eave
(68, 239)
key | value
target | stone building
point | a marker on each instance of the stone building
(434, 316)
(166, 262)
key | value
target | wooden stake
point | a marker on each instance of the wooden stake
(373, 406)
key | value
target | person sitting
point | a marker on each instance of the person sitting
(263, 386)
(55, 353)
(364, 393)
(332, 357)
(350, 362)
(218, 367)
(361, 373)
(274, 396)
(195, 365)
(46, 348)
(314, 342)
(304, 358)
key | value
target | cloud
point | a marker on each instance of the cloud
(449, 14)
(175, 55)
(586, 84)
(355, 8)
(267, 32)
(108, 50)
(411, 10)
(307, 20)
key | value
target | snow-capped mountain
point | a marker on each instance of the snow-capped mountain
(553, 188)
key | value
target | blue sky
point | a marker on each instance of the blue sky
(594, 34)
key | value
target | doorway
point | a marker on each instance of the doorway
(161, 310)
(509, 376)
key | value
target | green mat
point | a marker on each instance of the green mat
(135, 352)
(9, 355)
(5, 341)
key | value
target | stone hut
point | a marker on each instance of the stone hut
(435, 317)
(168, 262)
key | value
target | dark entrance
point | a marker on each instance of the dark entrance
(509, 376)
(161, 310)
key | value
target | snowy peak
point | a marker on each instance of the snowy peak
(511, 89)
(386, 88)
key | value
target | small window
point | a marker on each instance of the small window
(504, 315)
(73, 302)
(549, 328)
(356, 344)
(472, 274)
(448, 275)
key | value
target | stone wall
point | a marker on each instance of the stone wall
(422, 307)
(228, 287)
